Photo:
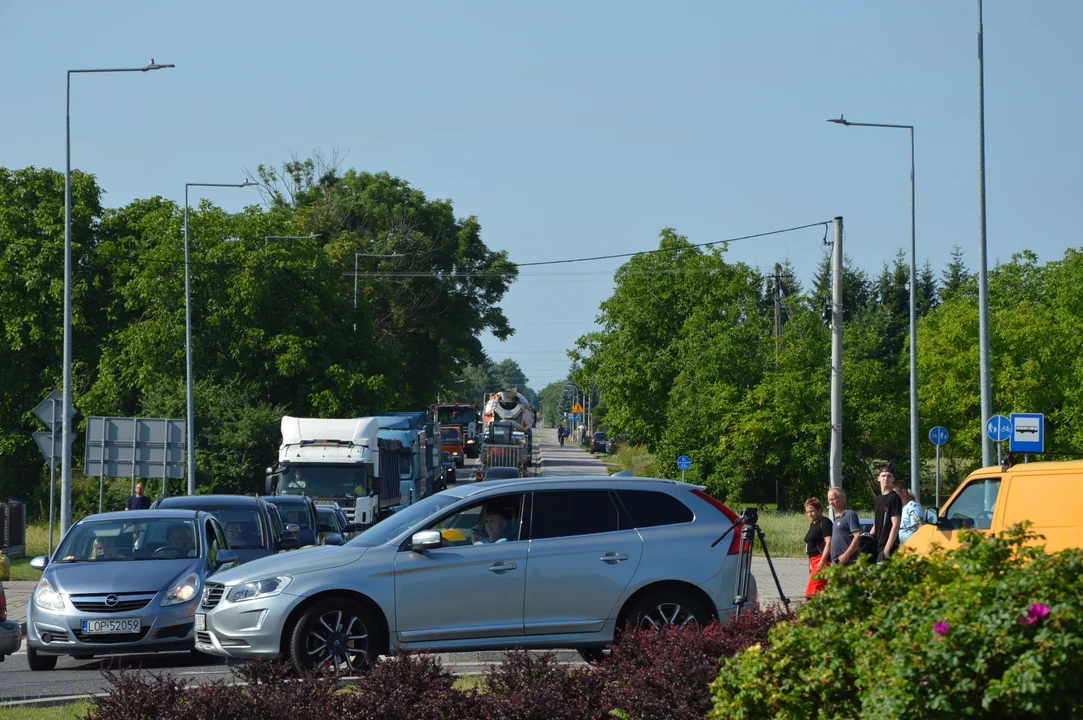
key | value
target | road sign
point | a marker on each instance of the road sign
(684, 462)
(938, 435)
(1028, 433)
(577, 408)
(45, 409)
(49, 444)
(135, 447)
(998, 428)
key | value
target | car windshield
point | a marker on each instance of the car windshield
(445, 457)
(455, 415)
(599, 436)
(292, 512)
(328, 520)
(450, 435)
(405, 520)
(244, 531)
(324, 480)
(138, 539)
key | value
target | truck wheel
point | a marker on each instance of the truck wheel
(37, 661)
(337, 634)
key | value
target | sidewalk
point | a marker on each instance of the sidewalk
(570, 460)
(18, 594)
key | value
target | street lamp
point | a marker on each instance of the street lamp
(915, 474)
(66, 436)
(361, 255)
(188, 332)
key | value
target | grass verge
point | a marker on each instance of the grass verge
(69, 711)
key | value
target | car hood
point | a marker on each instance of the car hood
(294, 562)
(117, 576)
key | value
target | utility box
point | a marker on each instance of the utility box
(13, 529)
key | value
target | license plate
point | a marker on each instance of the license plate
(112, 625)
(201, 621)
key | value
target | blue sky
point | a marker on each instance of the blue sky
(583, 128)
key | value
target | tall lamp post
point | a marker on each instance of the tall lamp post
(983, 267)
(915, 469)
(361, 255)
(191, 425)
(65, 423)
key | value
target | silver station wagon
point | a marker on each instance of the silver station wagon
(538, 563)
(123, 582)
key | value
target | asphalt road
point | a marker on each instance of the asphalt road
(77, 677)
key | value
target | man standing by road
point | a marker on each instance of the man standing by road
(847, 529)
(885, 524)
(139, 501)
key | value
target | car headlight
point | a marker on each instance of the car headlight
(46, 598)
(267, 587)
(185, 590)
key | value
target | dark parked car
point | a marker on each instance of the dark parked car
(599, 443)
(333, 527)
(447, 471)
(502, 473)
(250, 531)
(10, 636)
(298, 510)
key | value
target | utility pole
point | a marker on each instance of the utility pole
(983, 275)
(778, 308)
(836, 358)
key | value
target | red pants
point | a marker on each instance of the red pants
(814, 586)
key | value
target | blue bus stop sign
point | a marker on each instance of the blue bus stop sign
(999, 428)
(684, 462)
(938, 435)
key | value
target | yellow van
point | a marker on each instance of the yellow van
(1048, 494)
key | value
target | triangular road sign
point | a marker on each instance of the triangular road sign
(577, 408)
(45, 412)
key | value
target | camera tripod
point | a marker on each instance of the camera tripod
(750, 530)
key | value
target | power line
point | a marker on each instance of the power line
(661, 250)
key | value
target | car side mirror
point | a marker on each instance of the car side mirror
(426, 540)
(39, 562)
(293, 528)
(932, 517)
(288, 543)
(333, 539)
(225, 557)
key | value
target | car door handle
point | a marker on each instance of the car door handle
(502, 567)
(613, 558)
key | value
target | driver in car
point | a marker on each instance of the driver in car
(180, 539)
(497, 527)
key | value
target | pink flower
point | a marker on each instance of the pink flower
(941, 628)
(1038, 611)
(868, 632)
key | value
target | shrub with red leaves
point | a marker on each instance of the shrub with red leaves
(665, 675)
(649, 675)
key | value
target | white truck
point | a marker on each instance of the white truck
(333, 459)
(510, 406)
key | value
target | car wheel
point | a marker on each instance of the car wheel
(667, 608)
(592, 655)
(336, 634)
(37, 661)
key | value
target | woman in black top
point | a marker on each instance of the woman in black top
(817, 544)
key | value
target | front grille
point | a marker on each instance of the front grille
(204, 638)
(121, 602)
(111, 637)
(212, 595)
(175, 631)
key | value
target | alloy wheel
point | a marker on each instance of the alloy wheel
(338, 640)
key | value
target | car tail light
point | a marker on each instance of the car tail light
(735, 542)
(3, 607)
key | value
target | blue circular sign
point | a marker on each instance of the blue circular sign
(938, 435)
(998, 428)
(684, 462)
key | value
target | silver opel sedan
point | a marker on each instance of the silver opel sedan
(538, 563)
(123, 582)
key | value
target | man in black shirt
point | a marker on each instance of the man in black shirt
(139, 501)
(885, 527)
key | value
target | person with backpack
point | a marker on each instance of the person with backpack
(846, 530)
